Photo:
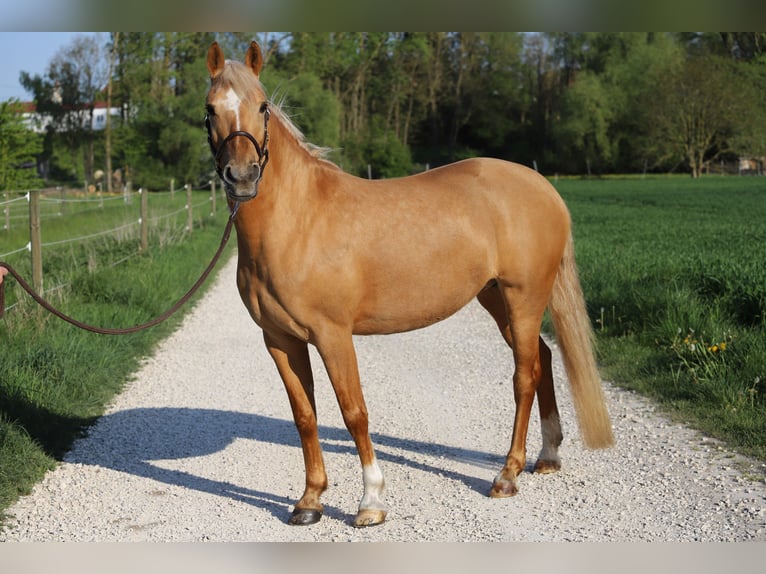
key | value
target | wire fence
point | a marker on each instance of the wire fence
(36, 214)
(112, 231)
(28, 216)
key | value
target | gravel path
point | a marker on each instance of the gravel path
(201, 446)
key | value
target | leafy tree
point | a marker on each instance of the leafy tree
(18, 150)
(635, 77)
(399, 84)
(67, 93)
(704, 108)
(308, 104)
(495, 90)
(751, 140)
(162, 82)
(569, 101)
(543, 83)
(747, 46)
(387, 155)
(588, 111)
(602, 115)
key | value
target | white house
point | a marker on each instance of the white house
(39, 122)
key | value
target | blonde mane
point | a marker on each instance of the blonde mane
(247, 87)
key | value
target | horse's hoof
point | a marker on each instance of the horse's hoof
(305, 516)
(369, 517)
(503, 488)
(547, 466)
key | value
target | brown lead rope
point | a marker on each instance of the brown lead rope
(101, 330)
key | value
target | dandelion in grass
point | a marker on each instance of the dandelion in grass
(700, 359)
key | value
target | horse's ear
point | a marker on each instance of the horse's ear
(215, 60)
(254, 58)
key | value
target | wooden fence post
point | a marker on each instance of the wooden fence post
(212, 197)
(189, 220)
(34, 240)
(144, 219)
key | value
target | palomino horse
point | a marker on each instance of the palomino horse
(324, 255)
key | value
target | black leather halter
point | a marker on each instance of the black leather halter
(261, 149)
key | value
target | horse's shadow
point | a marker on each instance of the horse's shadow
(145, 435)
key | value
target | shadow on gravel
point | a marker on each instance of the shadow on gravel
(128, 441)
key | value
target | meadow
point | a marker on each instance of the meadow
(674, 277)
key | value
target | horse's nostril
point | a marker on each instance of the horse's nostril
(234, 174)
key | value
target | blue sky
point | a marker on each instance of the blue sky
(30, 52)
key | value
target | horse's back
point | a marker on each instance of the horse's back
(521, 208)
(492, 184)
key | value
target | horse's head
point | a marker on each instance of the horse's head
(237, 120)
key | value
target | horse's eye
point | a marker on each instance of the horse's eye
(210, 110)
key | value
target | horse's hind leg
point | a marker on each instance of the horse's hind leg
(548, 461)
(294, 366)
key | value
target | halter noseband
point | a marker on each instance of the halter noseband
(261, 149)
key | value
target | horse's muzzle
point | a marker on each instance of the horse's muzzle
(241, 185)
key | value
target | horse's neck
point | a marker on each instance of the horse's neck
(293, 167)
(287, 194)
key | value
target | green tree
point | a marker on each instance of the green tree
(308, 104)
(399, 83)
(747, 46)
(162, 80)
(363, 87)
(611, 84)
(184, 153)
(635, 76)
(495, 89)
(588, 111)
(19, 148)
(703, 111)
(386, 155)
(68, 94)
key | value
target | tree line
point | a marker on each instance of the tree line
(399, 102)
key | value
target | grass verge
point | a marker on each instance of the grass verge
(674, 276)
(55, 379)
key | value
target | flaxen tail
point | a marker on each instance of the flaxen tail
(575, 337)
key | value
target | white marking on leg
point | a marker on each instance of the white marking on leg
(374, 487)
(232, 102)
(551, 430)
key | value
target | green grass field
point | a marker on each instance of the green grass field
(674, 276)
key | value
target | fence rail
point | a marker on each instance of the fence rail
(35, 198)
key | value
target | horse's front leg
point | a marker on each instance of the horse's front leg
(339, 356)
(294, 366)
